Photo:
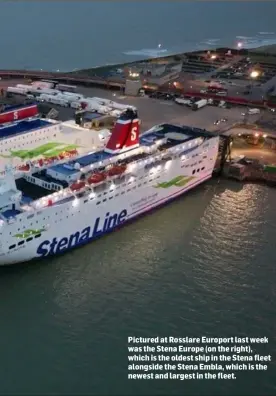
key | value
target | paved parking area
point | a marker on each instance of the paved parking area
(154, 111)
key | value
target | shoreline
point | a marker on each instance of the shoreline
(265, 50)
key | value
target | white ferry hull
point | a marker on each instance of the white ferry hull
(91, 222)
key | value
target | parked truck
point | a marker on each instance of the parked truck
(199, 104)
(254, 111)
(67, 88)
(182, 101)
(16, 90)
(71, 95)
(251, 112)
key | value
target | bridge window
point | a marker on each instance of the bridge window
(12, 247)
(20, 243)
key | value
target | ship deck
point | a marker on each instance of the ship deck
(22, 127)
(184, 133)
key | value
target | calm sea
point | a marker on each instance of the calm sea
(64, 35)
(204, 265)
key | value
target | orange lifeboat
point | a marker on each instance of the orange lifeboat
(40, 162)
(72, 152)
(61, 156)
(117, 170)
(53, 159)
(96, 178)
(24, 168)
(47, 161)
(77, 186)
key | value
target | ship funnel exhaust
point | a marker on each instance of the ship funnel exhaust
(125, 134)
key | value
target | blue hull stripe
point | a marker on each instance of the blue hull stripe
(130, 218)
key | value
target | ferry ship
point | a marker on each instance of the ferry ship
(27, 140)
(15, 113)
(65, 206)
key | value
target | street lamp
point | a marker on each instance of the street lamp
(254, 74)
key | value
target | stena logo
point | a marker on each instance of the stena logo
(133, 134)
(101, 226)
(15, 115)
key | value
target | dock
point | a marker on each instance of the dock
(247, 156)
(190, 75)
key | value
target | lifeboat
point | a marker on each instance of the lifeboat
(24, 168)
(77, 186)
(116, 170)
(46, 161)
(50, 202)
(53, 159)
(40, 162)
(96, 178)
(61, 156)
(72, 152)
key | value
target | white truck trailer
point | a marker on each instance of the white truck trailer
(43, 84)
(75, 105)
(16, 90)
(55, 99)
(199, 104)
(254, 111)
(182, 101)
(67, 88)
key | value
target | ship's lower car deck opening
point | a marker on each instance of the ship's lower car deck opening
(31, 191)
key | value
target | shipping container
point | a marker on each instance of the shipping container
(16, 90)
(72, 95)
(75, 105)
(182, 101)
(65, 87)
(199, 104)
(58, 101)
(43, 84)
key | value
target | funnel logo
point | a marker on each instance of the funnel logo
(125, 136)
(133, 135)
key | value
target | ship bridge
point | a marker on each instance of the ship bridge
(168, 135)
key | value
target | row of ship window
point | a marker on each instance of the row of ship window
(20, 243)
(117, 194)
(27, 143)
(49, 186)
(22, 137)
(97, 203)
(112, 196)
